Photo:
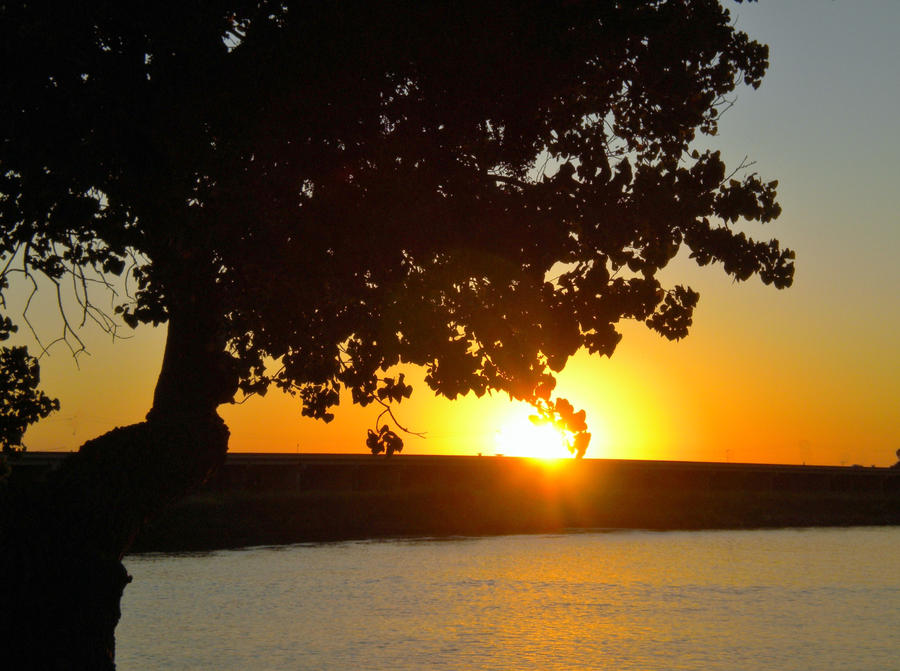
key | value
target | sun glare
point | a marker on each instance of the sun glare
(519, 437)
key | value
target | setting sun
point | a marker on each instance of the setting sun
(519, 437)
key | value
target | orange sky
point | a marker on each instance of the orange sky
(807, 375)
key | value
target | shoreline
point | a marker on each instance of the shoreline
(278, 499)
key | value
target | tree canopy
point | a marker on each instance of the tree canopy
(477, 188)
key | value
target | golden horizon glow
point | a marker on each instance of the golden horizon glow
(518, 436)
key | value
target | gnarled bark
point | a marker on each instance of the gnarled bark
(61, 543)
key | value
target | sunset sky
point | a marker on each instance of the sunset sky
(807, 375)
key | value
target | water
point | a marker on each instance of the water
(777, 599)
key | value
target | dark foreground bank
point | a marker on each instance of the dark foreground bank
(261, 499)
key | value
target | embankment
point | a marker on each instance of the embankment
(260, 499)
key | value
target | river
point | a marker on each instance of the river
(626, 600)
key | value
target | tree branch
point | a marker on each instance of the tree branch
(387, 411)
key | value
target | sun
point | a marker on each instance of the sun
(519, 437)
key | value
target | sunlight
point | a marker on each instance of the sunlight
(518, 437)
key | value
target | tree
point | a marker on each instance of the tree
(477, 189)
(21, 402)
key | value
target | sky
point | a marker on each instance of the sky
(806, 375)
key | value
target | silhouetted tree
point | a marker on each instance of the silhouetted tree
(476, 188)
(21, 402)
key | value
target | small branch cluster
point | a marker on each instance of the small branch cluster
(21, 403)
(384, 440)
(561, 414)
(74, 288)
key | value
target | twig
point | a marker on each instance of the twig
(387, 411)
(743, 166)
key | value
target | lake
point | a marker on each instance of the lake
(769, 599)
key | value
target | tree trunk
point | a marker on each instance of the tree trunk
(61, 544)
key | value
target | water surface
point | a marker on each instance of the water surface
(773, 599)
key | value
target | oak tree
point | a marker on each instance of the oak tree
(480, 189)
